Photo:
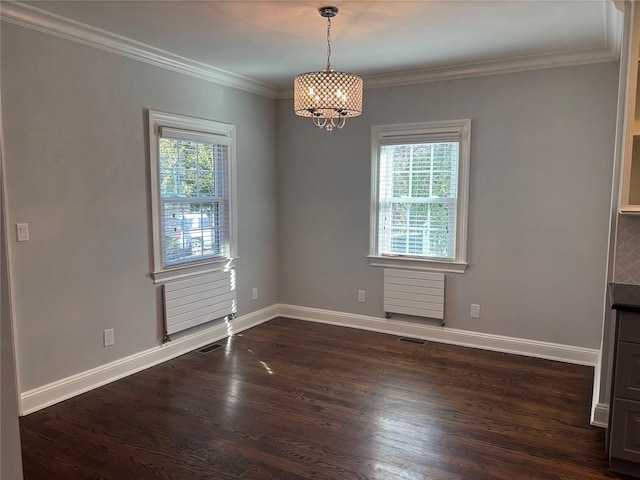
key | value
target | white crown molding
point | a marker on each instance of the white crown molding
(523, 63)
(613, 26)
(609, 52)
(428, 331)
(46, 22)
(43, 21)
(46, 395)
(492, 67)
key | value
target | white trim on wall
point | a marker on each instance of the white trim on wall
(32, 17)
(68, 387)
(7, 246)
(609, 52)
(600, 415)
(200, 130)
(601, 378)
(614, 24)
(522, 63)
(10, 459)
(458, 131)
(426, 331)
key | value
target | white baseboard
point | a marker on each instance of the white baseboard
(499, 343)
(600, 415)
(60, 390)
(46, 395)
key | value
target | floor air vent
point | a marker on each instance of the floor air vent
(210, 348)
(417, 341)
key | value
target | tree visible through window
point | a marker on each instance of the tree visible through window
(420, 190)
(192, 200)
(192, 166)
(418, 186)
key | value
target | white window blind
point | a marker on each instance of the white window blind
(192, 193)
(420, 186)
(193, 198)
(418, 193)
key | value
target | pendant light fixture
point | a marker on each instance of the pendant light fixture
(328, 96)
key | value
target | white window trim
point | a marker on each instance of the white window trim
(381, 134)
(206, 129)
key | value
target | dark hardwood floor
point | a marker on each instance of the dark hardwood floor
(299, 400)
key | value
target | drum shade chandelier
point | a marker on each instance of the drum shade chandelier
(328, 96)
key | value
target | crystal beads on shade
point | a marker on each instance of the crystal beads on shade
(329, 97)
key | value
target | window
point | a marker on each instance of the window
(192, 185)
(419, 195)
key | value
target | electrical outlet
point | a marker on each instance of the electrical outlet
(361, 297)
(108, 337)
(255, 293)
(475, 310)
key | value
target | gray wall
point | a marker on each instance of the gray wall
(77, 174)
(10, 455)
(542, 153)
(541, 171)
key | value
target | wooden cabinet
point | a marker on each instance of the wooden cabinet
(630, 191)
(624, 420)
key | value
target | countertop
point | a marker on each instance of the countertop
(624, 297)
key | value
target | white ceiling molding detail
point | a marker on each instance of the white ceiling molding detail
(613, 27)
(492, 67)
(481, 69)
(46, 22)
(613, 19)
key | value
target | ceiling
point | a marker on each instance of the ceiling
(272, 41)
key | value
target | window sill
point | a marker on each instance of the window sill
(185, 271)
(413, 263)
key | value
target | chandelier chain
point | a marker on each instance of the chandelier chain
(328, 43)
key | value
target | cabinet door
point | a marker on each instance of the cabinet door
(630, 194)
(627, 381)
(629, 326)
(625, 430)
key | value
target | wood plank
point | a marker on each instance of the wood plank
(298, 400)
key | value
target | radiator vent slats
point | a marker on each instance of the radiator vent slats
(419, 294)
(197, 300)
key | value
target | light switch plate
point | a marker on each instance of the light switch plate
(108, 337)
(22, 232)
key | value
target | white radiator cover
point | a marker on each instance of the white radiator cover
(197, 300)
(414, 293)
